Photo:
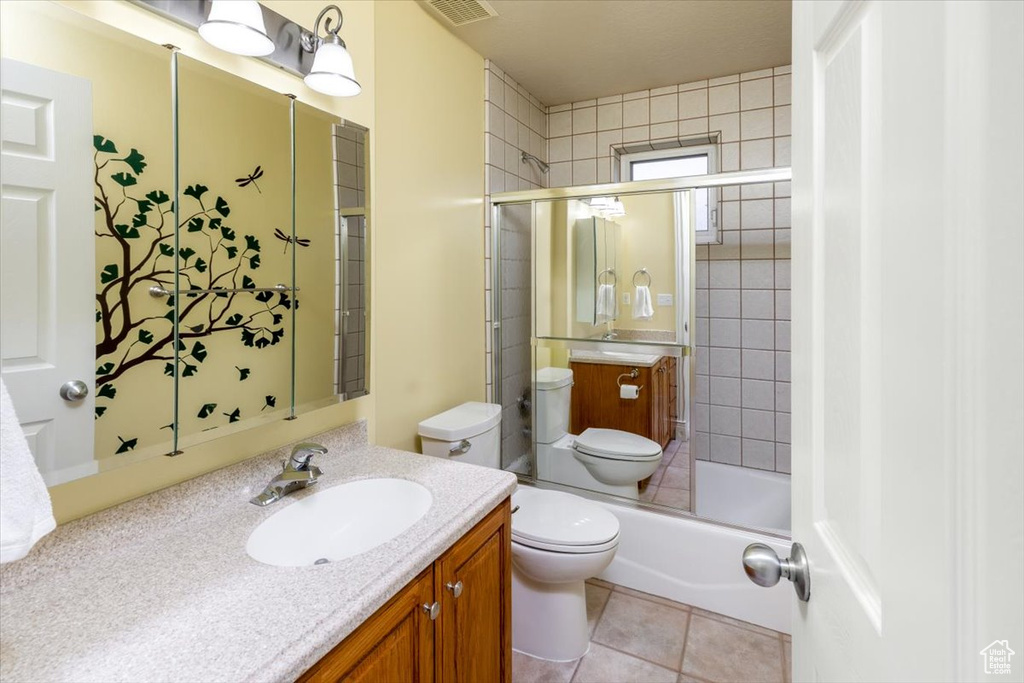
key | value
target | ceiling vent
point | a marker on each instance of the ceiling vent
(462, 12)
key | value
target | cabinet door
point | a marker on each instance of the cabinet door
(395, 644)
(474, 587)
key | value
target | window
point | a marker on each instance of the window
(675, 163)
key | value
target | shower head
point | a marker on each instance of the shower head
(526, 156)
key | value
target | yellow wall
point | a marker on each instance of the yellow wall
(428, 218)
(647, 240)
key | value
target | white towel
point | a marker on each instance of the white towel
(643, 309)
(25, 511)
(606, 310)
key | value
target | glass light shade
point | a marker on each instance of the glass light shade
(237, 26)
(615, 209)
(332, 72)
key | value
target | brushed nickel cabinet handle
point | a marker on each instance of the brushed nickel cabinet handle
(455, 588)
(433, 610)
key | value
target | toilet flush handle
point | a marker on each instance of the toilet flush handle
(462, 447)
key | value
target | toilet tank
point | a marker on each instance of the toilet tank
(554, 391)
(469, 433)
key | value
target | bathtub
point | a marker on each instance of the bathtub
(698, 563)
(743, 496)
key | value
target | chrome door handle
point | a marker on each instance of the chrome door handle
(455, 588)
(74, 390)
(463, 447)
(433, 610)
(764, 568)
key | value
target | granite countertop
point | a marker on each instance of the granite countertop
(161, 588)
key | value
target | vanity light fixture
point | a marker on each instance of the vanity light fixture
(332, 72)
(237, 26)
(608, 207)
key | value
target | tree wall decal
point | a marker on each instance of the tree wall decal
(210, 256)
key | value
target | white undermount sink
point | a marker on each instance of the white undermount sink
(338, 522)
(626, 358)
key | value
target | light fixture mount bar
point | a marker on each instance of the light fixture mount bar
(288, 36)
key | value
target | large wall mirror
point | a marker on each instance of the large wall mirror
(167, 284)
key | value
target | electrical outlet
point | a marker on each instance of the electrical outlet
(664, 299)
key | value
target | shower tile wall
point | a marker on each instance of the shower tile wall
(349, 358)
(515, 122)
(741, 410)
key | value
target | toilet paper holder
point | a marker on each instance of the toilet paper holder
(632, 374)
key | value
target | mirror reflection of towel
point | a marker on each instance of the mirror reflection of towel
(643, 309)
(605, 305)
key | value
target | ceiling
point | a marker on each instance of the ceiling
(570, 50)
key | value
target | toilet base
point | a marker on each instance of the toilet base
(549, 620)
(557, 463)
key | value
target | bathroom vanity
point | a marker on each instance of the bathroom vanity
(596, 401)
(453, 622)
(161, 588)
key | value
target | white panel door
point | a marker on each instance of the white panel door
(908, 330)
(47, 262)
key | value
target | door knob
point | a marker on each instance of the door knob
(74, 390)
(764, 568)
(433, 610)
(455, 588)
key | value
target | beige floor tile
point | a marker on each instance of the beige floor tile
(647, 495)
(656, 477)
(717, 651)
(642, 628)
(681, 461)
(676, 478)
(683, 678)
(667, 458)
(677, 498)
(527, 669)
(601, 582)
(653, 598)
(736, 622)
(597, 596)
(604, 665)
(787, 661)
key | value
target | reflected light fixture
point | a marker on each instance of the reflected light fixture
(237, 26)
(608, 207)
(332, 72)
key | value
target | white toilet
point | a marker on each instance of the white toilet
(606, 460)
(558, 540)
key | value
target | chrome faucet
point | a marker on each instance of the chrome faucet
(609, 336)
(296, 473)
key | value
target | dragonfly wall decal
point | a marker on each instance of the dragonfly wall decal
(288, 239)
(251, 178)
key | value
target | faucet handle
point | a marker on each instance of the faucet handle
(303, 453)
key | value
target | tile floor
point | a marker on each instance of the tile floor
(670, 484)
(641, 638)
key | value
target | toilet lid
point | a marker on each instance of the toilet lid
(555, 518)
(615, 443)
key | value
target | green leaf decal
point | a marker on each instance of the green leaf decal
(104, 369)
(252, 243)
(232, 251)
(103, 145)
(195, 225)
(109, 273)
(107, 391)
(169, 369)
(99, 411)
(166, 249)
(264, 297)
(129, 233)
(124, 179)
(135, 160)
(248, 338)
(234, 320)
(126, 445)
(214, 224)
(145, 206)
(158, 197)
(222, 207)
(234, 415)
(199, 352)
(138, 220)
(196, 191)
(243, 373)
(145, 336)
(197, 328)
(206, 410)
(271, 402)
(186, 253)
(200, 265)
(254, 262)
(247, 282)
(189, 370)
(228, 233)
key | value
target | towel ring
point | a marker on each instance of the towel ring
(608, 271)
(641, 273)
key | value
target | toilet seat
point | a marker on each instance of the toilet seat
(615, 444)
(561, 522)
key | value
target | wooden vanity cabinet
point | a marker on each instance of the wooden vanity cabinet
(596, 402)
(468, 641)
